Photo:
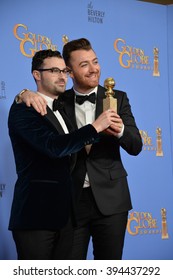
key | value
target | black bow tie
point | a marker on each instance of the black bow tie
(81, 99)
(57, 105)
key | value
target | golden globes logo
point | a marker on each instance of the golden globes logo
(132, 57)
(30, 42)
(142, 223)
(147, 142)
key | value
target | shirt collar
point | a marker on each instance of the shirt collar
(79, 93)
(48, 99)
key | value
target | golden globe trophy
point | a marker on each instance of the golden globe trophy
(159, 151)
(156, 62)
(164, 224)
(109, 102)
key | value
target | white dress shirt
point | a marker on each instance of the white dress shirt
(85, 114)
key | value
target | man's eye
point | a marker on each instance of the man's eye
(55, 70)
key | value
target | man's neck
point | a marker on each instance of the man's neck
(43, 92)
(82, 91)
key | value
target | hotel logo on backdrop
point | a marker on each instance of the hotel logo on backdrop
(147, 142)
(94, 15)
(136, 58)
(142, 223)
(31, 42)
(2, 90)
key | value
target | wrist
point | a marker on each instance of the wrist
(96, 127)
(18, 97)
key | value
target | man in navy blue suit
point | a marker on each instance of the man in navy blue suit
(102, 192)
(42, 213)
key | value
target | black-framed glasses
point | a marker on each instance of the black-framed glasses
(56, 70)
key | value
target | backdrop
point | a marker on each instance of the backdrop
(133, 41)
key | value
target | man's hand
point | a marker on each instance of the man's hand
(109, 122)
(116, 128)
(35, 100)
(106, 119)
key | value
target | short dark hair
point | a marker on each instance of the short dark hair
(74, 45)
(40, 56)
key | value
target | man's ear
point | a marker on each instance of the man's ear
(71, 74)
(36, 75)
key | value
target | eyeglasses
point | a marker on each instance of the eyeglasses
(56, 70)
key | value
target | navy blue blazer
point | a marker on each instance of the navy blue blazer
(107, 174)
(43, 190)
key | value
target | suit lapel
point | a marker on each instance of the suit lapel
(54, 121)
(67, 120)
(99, 102)
(69, 106)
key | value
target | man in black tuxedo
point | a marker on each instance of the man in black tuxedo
(102, 193)
(42, 211)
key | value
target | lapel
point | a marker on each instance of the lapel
(54, 121)
(67, 120)
(69, 106)
(99, 101)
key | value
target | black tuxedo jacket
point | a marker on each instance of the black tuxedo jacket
(42, 151)
(107, 175)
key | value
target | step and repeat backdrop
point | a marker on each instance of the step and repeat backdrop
(132, 40)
